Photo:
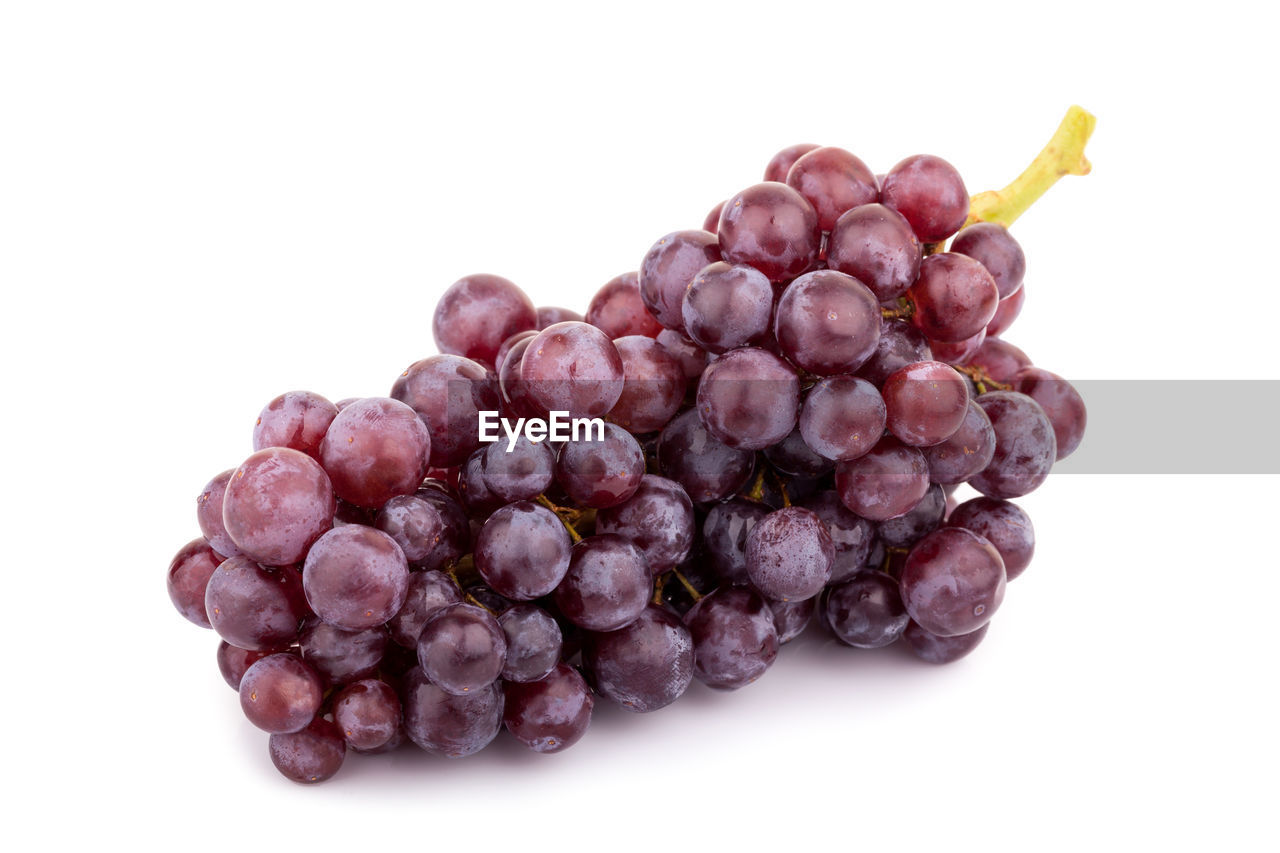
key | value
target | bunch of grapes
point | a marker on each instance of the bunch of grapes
(790, 396)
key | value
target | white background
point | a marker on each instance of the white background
(204, 205)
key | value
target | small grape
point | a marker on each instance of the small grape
(551, 714)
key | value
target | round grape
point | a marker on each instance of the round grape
(952, 582)
(1005, 525)
(843, 417)
(748, 398)
(734, 638)
(875, 245)
(1025, 446)
(885, 482)
(658, 519)
(277, 503)
(607, 586)
(955, 297)
(549, 715)
(523, 551)
(600, 473)
(448, 392)
(925, 403)
(1061, 403)
(462, 649)
(477, 313)
(188, 578)
(376, 448)
(311, 755)
(866, 611)
(653, 385)
(789, 554)
(966, 452)
(572, 368)
(355, 577)
(991, 245)
(447, 724)
(727, 306)
(827, 323)
(667, 269)
(254, 608)
(280, 694)
(929, 193)
(645, 666)
(534, 642)
(618, 310)
(771, 227)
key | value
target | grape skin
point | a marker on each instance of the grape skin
(573, 368)
(789, 554)
(618, 310)
(549, 715)
(966, 452)
(519, 471)
(658, 519)
(188, 578)
(833, 181)
(706, 468)
(790, 618)
(1005, 525)
(234, 662)
(462, 649)
(955, 297)
(748, 399)
(255, 608)
(277, 503)
(725, 532)
(827, 323)
(522, 551)
(929, 193)
(653, 385)
(866, 611)
(477, 313)
(668, 267)
(446, 724)
(297, 420)
(1007, 310)
(925, 403)
(885, 482)
(645, 666)
(952, 582)
(900, 344)
(311, 755)
(692, 358)
(1025, 446)
(376, 448)
(875, 245)
(1061, 403)
(1000, 359)
(842, 418)
(550, 315)
(280, 694)
(448, 393)
(607, 586)
(209, 515)
(367, 713)
(923, 518)
(601, 474)
(727, 306)
(771, 227)
(734, 637)
(780, 164)
(355, 577)
(794, 457)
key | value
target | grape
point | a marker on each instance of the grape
(462, 649)
(668, 268)
(885, 482)
(1000, 360)
(549, 316)
(748, 398)
(280, 694)
(1025, 446)
(925, 403)
(934, 649)
(851, 535)
(790, 618)
(827, 323)
(355, 577)
(296, 420)
(653, 385)
(473, 489)
(607, 586)
(923, 518)
(929, 193)
(375, 449)
(771, 227)
(519, 471)
(252, 607)
(782, 162)
(875, 245)
(692, 358)
(367, 713)
(955, 297)
(724, 532)
(866, 611)
(734, 638)
(1004, 525)
(505, 350)
(1061, 403)
(455, 537)
(573, 368)
(515, 393)
(551, 714)
(414, 524)
(522, 551)
(953, 582)
(842, 418)
(658, 519)
(794, 457)
(234, 662)
(645, 666)
(712, 220)
(707, 469)
(833, 181)
(601, 473)
(450, 725)
(534, 643)
(209, 515)
(957, 352)
(900, 344)
(727, 306)
(1007, 310)
(341, 656)
(618, 310)
(448, 392)
(477, 313)
(277, 503)
(991, 245)
(789, 554)
(966, 452)
(428, 593)
(311, 755)
(188, 578)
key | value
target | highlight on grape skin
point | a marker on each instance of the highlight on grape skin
(780, 407)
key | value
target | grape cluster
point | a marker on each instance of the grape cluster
(792, 395)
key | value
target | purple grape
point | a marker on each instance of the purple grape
(341, 656)
(658, 519)
(748, 398)
(794, 457)
(725, 531)
(455, 539)
(827, 323)
(311, 755)
(518, 471)
(851, 535)
(477, 313)
(929, 193)
(355, 577)
(523, 551)
(448, 392)
(1025, 446)
(234, 662)
(416, 525)
(462, 649)
(1004, 525)
(707, 469)
(297, 420)
(790, 618)
(900, 344)
(619, 311)
(923, 518)
(254, 608)
(551, 714)
(953, 582)
(727, 306)
(1007, 310)
(607, 586)
(277, 503)
(473, 488)
(833, 181)
(600, 474)
(375, 449)
(209, 515)
(966, 452)
(886, 482)
(446, 724)
(734, 638)
(934, 649)
(957, 352)
(789, 554)
(925, 403)
(645, 666)
(991, 245)
(866, 611)
(534, 642)
(572, 368)
(516, 401)
(653, 385)
(1000, 360)
(955, 297)
(668, 267)
(771, 227)
(549, 316)
(428, 593)
(842, 418)
(188, 578)
(367, 713)
(782, 162)
(875, 245)
(692, 358)
(712, 220)
(1061, 403)
(504, 351)
(280, 694)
